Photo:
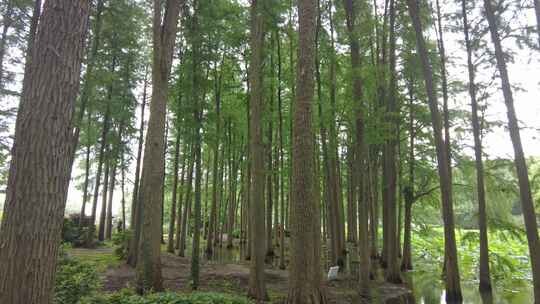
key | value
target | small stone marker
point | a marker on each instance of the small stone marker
(332, 273)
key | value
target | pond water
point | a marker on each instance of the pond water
(427, 288)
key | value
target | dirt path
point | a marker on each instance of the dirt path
(233, 278)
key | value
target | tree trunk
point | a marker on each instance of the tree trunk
(281, 162)
(453, 288)
(103, 210)
(305, 282)
(7, 21)
(527, 203)
(360, 147)
(112, 184)
(390, 180)
(181, 197)
(135, 223)
(170, 241)
(41, 153)
(257, 287)
(408, 191)
(485, 280)
(187, 205)
(198, 114)
(149, 253)
(86, 176)
(88, 85)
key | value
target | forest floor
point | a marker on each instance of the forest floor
(232, 278)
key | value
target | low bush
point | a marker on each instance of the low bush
(129, 297)
(121, 242)
(74, 280)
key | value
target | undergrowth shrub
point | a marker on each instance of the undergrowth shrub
(129, 297)
(74, 279)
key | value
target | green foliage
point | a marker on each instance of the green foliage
(73, 234)
(509, 262)
(74, 280)
(129, 297)
(121, 242)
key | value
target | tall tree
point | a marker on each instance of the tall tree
(485, 281)
(453, 287)
(41, 153)
(527, 203)
(135, 223)
(390, 157)
(360, 149)
(257, 286)
(305, 283)
(165, 26)
(198, 112)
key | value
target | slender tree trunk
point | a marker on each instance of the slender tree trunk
(485, 281)
(135, 223)
(112, 184)
(41, 153)
(453, 288)
(103, 210)
(170, 241)
(180, 198)
(86, 176)
(527, 203)
(257, 286)
(149, 252)
(408, 191)
(305, 282)
(187, 205)
(198, 114)
(269, 174)
(88, 83)
(281, 162)
(122, 188)
(390, 180)
(7, 22)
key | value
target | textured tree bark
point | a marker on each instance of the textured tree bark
(527, 203)
(392, 273)
(305, 282)
(485, 280)
(453, 288)
(257, 286)
(39, 172)
(149, 252)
